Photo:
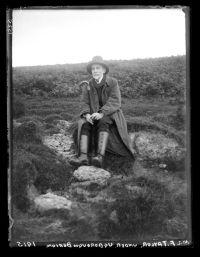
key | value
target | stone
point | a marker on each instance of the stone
(152, 146)
(60, 143)
(63, 125)
(92, 174)
(162, 165)
(51, 201)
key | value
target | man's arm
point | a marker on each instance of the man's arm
(85, 103)
(114, 101)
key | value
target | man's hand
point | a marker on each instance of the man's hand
(89, 118)
(97, 116)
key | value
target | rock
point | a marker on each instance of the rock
(63, 125)
(162, 165)
(60, 143)
(92, 181)
(51, 201)
(92, 174)
(157, 146)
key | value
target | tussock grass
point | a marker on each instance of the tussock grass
(35, 118)
(29, 131)
(18, 108)
(34, 163)
(52, 117)
(135, 124)
(69, 117)
(44, 112)
(152, 211)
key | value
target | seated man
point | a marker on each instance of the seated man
(100, 113)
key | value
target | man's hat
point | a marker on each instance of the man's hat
(97, 60)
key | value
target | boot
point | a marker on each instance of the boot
(83, 158)
(102, 143)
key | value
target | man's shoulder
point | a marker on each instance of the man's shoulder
(111, 81)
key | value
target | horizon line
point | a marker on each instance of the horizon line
(36, 65)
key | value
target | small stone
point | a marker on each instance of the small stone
(162, 165)
(51, 201)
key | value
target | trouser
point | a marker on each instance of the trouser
(92, 131)
(98, 126)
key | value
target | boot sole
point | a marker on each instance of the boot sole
(78, 164)
(96, 163)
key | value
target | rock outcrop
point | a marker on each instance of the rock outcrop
(157, 146)
(60, 143)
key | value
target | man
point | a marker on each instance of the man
(101, 117)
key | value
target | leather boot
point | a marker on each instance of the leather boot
(83, 158)
(102, 143)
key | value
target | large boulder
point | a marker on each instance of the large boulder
(156, 146)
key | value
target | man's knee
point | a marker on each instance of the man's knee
(86, 128)
(104, 123)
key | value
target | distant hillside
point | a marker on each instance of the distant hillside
(161, 77)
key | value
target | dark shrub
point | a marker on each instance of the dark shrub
(146, 209)
(24, 173)
(18, 108)
(36, 164)
(28, 132)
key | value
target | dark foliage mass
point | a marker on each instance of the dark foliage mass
(147, 207)
(149, 78)
(35, 164)
(18, 109)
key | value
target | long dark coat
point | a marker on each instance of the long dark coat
(111, 98)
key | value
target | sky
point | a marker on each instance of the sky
(46, 37)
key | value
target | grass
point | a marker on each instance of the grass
(135, 124)
(160, 207)
(156, 208)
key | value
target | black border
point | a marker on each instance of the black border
(195, 240)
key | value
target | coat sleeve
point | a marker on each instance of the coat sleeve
(85, 102)
(113, 103)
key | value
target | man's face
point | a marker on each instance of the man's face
(97, 71)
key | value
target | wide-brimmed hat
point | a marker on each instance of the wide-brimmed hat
(97, 60)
